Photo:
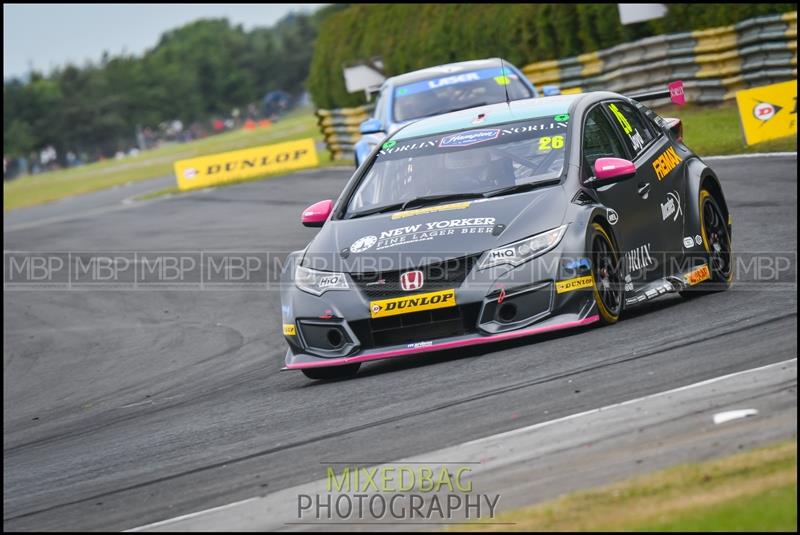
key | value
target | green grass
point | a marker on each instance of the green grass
(46, 187)
(713, 130)
(773, 510)
(751, 491)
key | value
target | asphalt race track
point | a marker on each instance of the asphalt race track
(126, 407)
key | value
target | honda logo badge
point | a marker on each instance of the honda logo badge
(411, 280)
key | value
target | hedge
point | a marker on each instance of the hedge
(413, 36)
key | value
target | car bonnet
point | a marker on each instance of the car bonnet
(416, 237)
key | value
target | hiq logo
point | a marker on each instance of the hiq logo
(328, 281)
(502, 253)
(469, 138)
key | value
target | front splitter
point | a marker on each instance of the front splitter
(301, 361)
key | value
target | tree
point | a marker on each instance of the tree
(198, 71)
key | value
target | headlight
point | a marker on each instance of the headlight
(319, 282)
(518, 253)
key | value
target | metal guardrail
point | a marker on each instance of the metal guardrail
(340, 129)
(714, 64)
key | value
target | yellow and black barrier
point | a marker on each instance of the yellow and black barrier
(205, 171)
(714, 64)
(340, 129)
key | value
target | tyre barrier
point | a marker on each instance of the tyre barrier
(340, 129)
(714, 64)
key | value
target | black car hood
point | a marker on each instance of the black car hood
(399, 240)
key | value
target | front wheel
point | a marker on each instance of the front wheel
(331, 373)
(608, 287)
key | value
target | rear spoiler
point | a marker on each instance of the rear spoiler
(674, 92)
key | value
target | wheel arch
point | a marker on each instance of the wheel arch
(700, 176)
(600, 217)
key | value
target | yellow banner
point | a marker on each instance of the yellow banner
(205, 171)
(768, 112)
(412, 303)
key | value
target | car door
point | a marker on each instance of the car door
(661, 165)
(633, 209)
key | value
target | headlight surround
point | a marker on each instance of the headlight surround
(319, 282)
(519, 252)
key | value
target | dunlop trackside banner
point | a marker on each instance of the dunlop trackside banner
(216, 169)
(768, 112)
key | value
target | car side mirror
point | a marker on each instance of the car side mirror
(316, 214)
(611, 170)
(371, 126)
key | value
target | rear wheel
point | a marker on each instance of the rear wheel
(332, 372)
(716, 239)
(606, 266)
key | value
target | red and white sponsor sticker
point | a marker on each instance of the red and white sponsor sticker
(764, 111)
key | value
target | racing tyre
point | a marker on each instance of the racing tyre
(332, 372)
(606, 266)
(717, 243)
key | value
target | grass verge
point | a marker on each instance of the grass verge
(714, 130)
(46, 187)
(750, 491)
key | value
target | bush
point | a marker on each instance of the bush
(414, 36)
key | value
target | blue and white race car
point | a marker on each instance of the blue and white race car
(438, 90)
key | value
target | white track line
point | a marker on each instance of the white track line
(192, 515)
(510, 433)
(750, 155)
(101, 210)
(629, 402)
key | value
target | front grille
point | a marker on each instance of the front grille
(437, 276)
(426, 325)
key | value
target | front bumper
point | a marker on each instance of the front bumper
(298, 361)
(492, 305)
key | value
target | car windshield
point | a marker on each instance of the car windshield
(478, 162)
(457, 92)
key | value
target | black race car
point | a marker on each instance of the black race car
(500, 222)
